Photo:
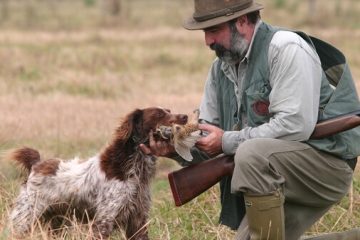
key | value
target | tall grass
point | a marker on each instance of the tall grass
(70, 72)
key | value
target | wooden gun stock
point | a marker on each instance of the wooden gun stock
(189, 182)
(195, 179)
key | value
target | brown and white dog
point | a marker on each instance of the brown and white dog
(113, 185)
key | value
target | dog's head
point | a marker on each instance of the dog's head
(138, 124)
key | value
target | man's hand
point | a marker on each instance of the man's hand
(212, 143)
(157, 148)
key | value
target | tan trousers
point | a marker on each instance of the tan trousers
(312, 181)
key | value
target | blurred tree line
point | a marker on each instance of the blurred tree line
(112, 7)
(70, 14)
(31, 13)
(320, 12)
(312, 5)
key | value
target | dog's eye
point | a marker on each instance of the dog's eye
(161, 114)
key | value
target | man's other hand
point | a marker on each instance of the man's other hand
(157, 148)
(212, 143)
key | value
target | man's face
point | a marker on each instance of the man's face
(228, 44)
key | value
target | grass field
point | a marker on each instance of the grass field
(69, 72)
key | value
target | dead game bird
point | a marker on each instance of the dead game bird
(182, 137)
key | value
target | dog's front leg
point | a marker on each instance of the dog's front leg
(105, 218)
(27, 209)
(137, 228)
(103, 228)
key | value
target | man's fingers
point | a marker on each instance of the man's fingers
(157, 148)
(145, 149)
(212, 143)
(207, 127)
(152, 143)
(202, 141)
(151, 136)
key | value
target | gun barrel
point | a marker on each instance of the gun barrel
(189, 182)
(335, 125)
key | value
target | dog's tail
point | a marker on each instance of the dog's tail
(25, 157)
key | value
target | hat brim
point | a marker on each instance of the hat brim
(191, 24)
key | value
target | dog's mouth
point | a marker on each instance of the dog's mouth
(163, 132)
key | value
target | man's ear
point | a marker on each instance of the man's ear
(240, 21)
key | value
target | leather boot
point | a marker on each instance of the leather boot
(266, 216)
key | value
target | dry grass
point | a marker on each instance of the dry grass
(69, 73)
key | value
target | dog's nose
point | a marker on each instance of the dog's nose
(183, 118)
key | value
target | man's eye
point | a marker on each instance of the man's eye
(212, 30)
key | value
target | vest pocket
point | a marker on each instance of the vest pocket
(257, 108)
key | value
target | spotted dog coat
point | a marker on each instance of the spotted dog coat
(114, 184)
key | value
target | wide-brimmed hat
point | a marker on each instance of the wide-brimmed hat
(209, 13)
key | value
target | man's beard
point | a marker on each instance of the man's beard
(238, 48)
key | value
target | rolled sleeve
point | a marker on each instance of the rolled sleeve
(231, 141)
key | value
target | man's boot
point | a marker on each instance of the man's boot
(265, 215)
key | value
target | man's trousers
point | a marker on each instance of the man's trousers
(311, 180)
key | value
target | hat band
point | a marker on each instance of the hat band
(222, 12)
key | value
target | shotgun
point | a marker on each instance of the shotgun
(189, 182)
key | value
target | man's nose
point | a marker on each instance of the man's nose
(209, 39)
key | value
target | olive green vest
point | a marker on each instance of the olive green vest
(339, 99)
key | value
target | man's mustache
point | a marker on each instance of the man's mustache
(219, 49)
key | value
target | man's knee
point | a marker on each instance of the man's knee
(252, 171)
(252, 151)
(263, 148)
(250, 160)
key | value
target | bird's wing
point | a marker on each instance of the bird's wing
(183, 146)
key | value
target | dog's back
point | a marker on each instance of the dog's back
(61, 180)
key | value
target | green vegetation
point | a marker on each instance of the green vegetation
(69, 72)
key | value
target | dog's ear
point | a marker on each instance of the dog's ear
(131, 125)
(137, 123)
